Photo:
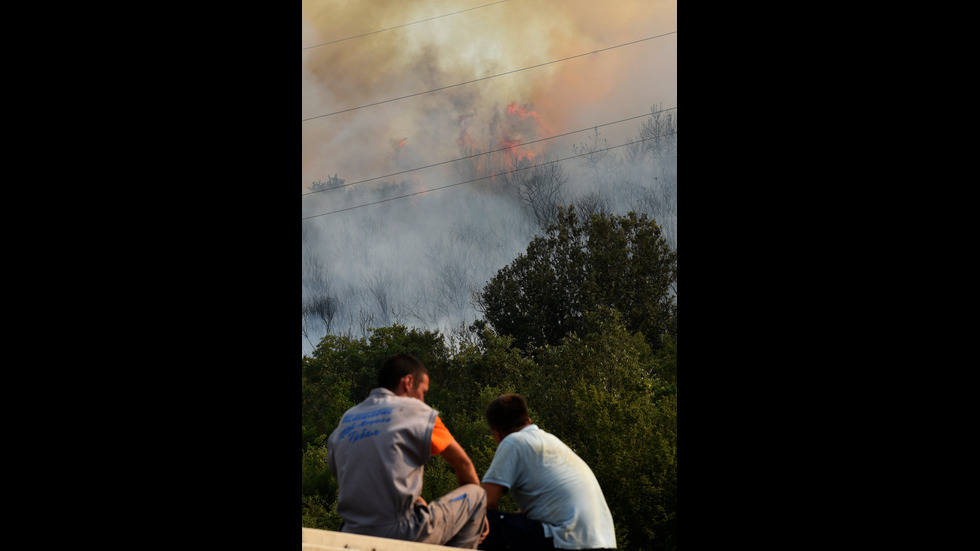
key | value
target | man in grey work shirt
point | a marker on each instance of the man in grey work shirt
(378, 453)
(562, 505)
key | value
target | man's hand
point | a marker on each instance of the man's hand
(486, 530)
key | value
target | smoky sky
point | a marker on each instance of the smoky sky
(417, 260)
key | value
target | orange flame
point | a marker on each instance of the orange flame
(522, 112)
(401, 152)
(509, 144)
(516, 155)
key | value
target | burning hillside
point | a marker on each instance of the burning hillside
(406, 61)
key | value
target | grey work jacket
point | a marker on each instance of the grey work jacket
(378, 453)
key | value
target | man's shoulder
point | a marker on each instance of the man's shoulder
(528, 433)
(405, 405)
(536, 441)
(523, 438)
(384, 399)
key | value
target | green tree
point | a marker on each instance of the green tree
(601, 389)
(620, 262)
(601, 394)
(342, 371)
(339, 374)
(319, 488)
(481, 369)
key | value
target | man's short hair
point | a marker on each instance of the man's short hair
(396, 367)
(507, 413)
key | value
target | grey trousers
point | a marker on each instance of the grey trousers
(455, 519)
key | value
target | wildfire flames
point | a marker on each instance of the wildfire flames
(365, 90)
(525, 125)
(524, 111)
(515, 155)
(506, 132)
(401, 152)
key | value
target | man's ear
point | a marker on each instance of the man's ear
(407, 382)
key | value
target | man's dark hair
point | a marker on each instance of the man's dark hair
(507, 413)
(396, 367)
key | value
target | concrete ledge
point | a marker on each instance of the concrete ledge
(328, 540)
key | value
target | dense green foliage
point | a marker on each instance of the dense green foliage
(619, 262)
(602, 387)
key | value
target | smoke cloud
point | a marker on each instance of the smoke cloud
(417, 260)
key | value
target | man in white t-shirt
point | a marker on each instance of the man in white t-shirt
(561, 503)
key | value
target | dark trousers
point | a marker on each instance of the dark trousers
(514, 532)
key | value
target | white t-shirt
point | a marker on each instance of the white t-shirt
(555, 487)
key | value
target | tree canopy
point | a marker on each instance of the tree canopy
(583, 325)
(618, 262)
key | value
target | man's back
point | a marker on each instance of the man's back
(378, 452)
(553, 485)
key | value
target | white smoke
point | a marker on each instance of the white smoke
(416, 260)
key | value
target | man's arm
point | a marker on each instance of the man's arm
(494, 493)
(460, 462)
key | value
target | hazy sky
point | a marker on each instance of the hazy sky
(443, 51)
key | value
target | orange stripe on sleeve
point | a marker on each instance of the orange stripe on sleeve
(441, 439)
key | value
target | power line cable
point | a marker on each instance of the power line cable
(490, 176)
(403, 25)
(491, 76)
(508, 148)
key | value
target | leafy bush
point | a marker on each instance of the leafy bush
(600, 389)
